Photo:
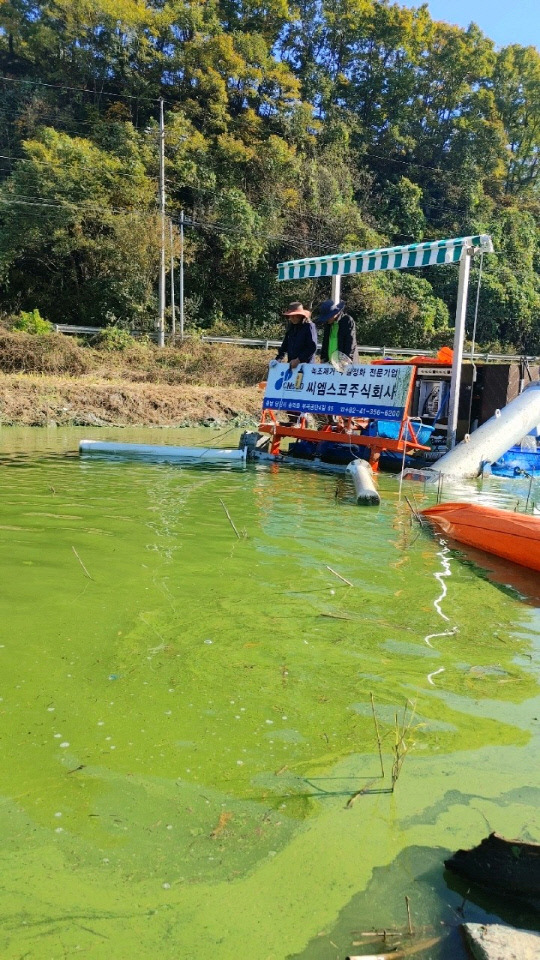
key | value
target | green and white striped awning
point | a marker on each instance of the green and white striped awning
(388, 258)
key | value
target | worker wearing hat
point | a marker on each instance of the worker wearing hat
(339, 333)
(300, 340)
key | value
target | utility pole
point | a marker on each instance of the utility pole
(173, 309)
(181, 275)
(459, 337)
(161, 322)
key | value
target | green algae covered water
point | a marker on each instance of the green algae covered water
(187, 721)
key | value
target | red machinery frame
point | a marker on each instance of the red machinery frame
(347, 429)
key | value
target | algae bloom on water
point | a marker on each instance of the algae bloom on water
(183, 728)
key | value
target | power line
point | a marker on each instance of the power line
(62, 166)
(94, 93)
(410, 163)
(44, 202)
(70, 122)
(221, 228)
(55, 204)
(63, 121)
(198, 189)
(135, 97)
(422, 166)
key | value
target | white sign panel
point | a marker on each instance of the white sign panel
(378, 391)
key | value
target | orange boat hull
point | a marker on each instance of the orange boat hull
(514, 536)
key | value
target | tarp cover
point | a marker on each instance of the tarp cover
(386, 258)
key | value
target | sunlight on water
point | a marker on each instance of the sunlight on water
(186, 714)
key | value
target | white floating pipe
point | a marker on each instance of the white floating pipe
(364, 486)
(489, 441)
(191, 455)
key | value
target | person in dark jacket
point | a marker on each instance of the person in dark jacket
(339, 333)
(300, 341)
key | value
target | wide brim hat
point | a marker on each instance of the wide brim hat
(296, 309)
(328, 309)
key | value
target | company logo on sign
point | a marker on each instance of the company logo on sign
(290, 380)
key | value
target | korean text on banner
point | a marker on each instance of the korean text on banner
(361, 390)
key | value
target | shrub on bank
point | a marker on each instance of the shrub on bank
(115, 339)
(22, 352)
(31, 321)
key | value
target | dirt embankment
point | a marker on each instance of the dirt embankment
(51, 379)
(41, 401)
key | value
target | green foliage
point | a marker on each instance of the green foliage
(406, 219)
(400, 309)
(115, 339)
(291, 131)
(90, 245)
(31, 321)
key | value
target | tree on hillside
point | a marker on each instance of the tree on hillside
(78, 236)
(516, 90)
(291, 130)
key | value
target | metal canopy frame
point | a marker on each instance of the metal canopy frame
(412, 255)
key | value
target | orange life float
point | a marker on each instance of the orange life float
(513, 536)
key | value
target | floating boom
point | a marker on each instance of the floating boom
(194, 455)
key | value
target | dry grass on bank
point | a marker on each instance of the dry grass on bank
(216, 365)
(52, 379)
(90, 401)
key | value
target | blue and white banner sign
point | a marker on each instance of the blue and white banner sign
(361, 390)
